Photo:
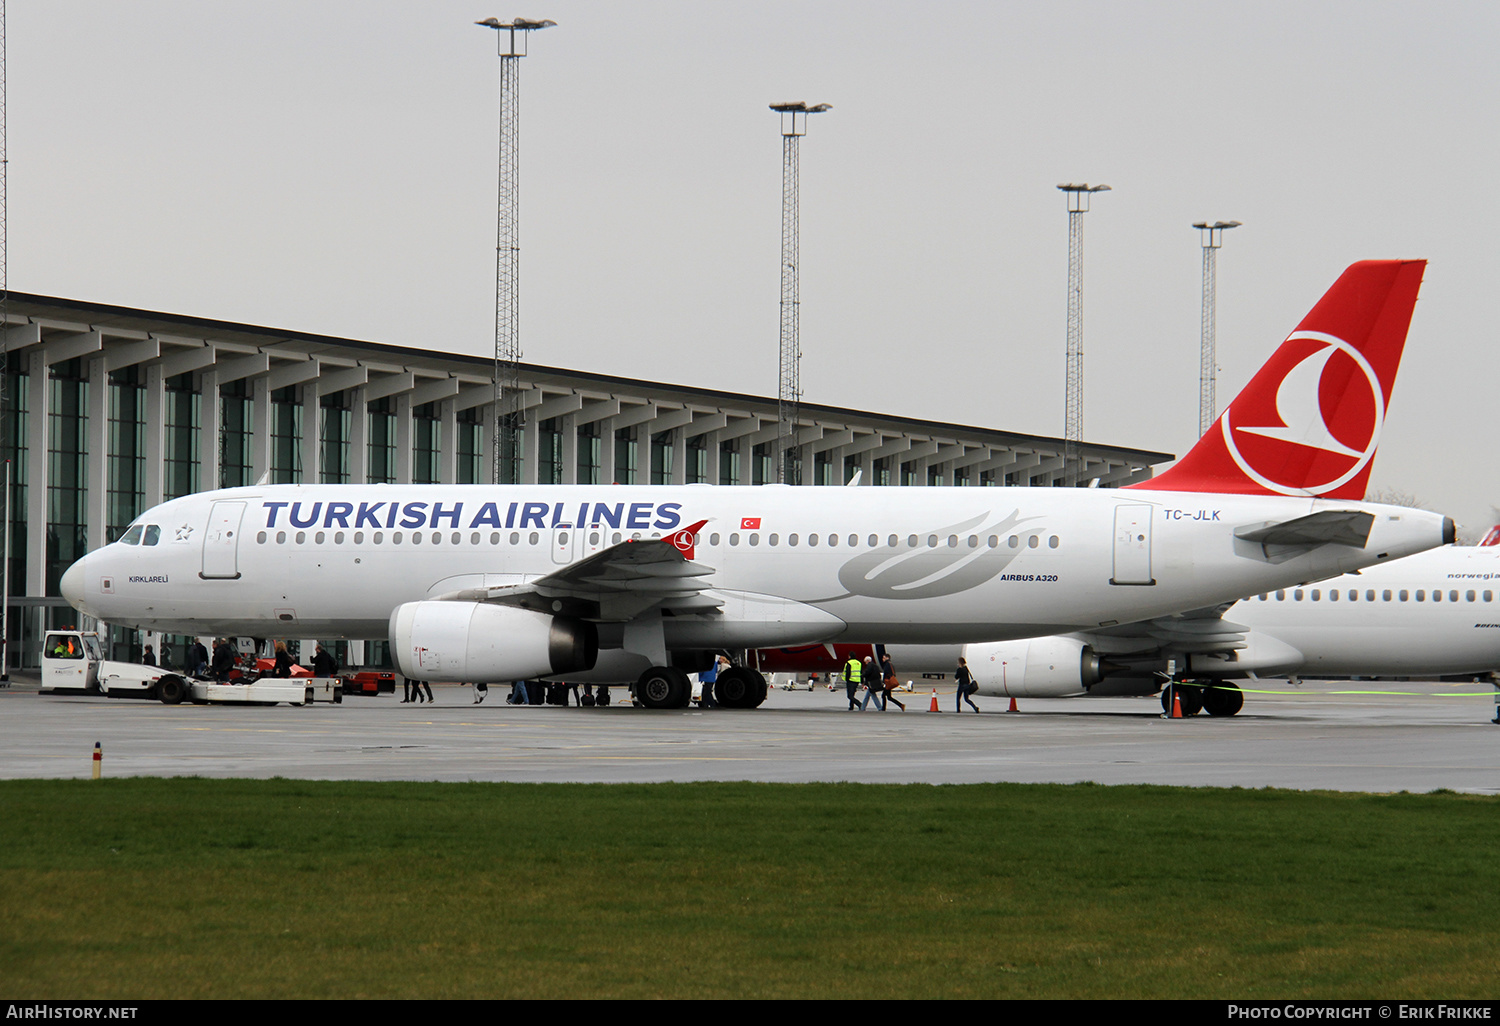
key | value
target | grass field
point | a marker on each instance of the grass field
(150, 888)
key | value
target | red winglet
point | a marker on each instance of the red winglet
(1309, 422)
(684, 540)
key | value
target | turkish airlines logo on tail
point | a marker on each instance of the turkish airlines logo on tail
(1324, 427)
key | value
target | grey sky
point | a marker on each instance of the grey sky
(330, 167)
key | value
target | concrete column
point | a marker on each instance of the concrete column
(260, 450)
(156, 436)
(95, 506)
(711, 457)
(531, 448)
(403, 438)
(448, 447)
(359, 437)
(210, 429)
(36, 474)
(569, 449)
(607, 450)
(312, 435)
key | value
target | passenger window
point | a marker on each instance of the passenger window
(734, 539)
(1421, 595)
(1333, 595)
(1297, 595)
(953, 541)
(854, 541)
(791, 539)
(1489, 596)
(280, 537)
(874, 540)
(812, 539)
(1015, 542)
(833, 539)
(1281, 596)
(1404, 594)
(1052, 542)
(775, 539)
(1469, 596)
(534, 538)
(1453, 596)
(338, 537)
(318, 537)
(301, 537)
(713, 539)
(1317, 595)
(260, 539)
(754, 538)
(911, 541)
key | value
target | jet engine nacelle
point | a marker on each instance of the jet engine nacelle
(1052, 667)
(478, 642)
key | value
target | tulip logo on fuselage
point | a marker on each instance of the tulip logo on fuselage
(945, 561)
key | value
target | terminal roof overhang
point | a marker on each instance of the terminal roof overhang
(132, 322)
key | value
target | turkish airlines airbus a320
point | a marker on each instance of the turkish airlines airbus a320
(641, 583)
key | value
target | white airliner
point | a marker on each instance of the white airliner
(1429, 615)
(626, 583)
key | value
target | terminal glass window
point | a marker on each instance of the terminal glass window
(427, 444)
(334, 421)
(549, 455)
(184, 406)
(625, 456)
(471, 469)
(125, 485)
(697, 460)
(729, 463)
(286, 436)
(236, 435)
(380, 449)
(881, 473)
(822, 468)
(67, 469)
(762, 465)
(661, 458)
(588, 453)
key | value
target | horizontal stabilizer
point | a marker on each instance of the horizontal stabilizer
(1330, 527)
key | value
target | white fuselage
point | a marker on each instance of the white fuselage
(1434, 613)
(893, 565)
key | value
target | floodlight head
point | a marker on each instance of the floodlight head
(1084, 187)
(519, 24)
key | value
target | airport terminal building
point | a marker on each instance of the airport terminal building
(110, 410)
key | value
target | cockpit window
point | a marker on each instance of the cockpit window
(153, 534)
(133, 536)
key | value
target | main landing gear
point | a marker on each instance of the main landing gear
(666, 687)
(1215, 698)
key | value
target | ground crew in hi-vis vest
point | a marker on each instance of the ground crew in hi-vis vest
(851, 680)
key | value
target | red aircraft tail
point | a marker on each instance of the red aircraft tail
(1309, 422)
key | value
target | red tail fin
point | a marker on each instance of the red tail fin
(1309, 422)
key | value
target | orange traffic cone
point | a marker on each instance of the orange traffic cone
(1013, 704)
(934, 707)
(1176, 705)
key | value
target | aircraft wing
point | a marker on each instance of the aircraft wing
(1331, 526)
(615, 584)
(1195, 631)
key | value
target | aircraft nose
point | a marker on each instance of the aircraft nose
(71, 584)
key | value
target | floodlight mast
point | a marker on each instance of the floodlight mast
(789, 387)
(1078, 204)
(510, 42)
(1212, 237)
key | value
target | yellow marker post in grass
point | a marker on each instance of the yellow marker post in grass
(98, 760)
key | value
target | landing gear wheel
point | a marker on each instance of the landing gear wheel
(1223, 700)
(663, 687)
(1189, 698)
(761, 689)
(734, 688)
(171, 690)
